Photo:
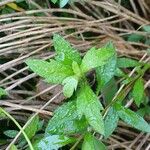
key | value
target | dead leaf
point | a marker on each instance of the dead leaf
(41, 86)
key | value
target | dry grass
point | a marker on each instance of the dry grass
(27, 35)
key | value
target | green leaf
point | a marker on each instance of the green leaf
(7, 10)
(135, 38)
(131, 118)
(32, 127)
(40, 125)
(2, 114)
(111, 122)
(36, 141)
(89, 105)
(54, 142)
(119, 73)
(65, 52)
(141, 111)
(13, 147)
(138, 91)
(106, 72)
(2, 92)
(96, 58)
(63, 3)
(19, 1)
(11, 133)
(70, 85)
(144, 111)
(91, 143)
(146, 28)
(76, 69)
(53, 71)
(54, 1)
(127, 62)
(66, 121)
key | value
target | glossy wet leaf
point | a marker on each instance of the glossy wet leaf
(70, 85)
(53, 142)
(2, 92)
(131, 118)
(32, 128)
(89, 105)
(105, 73)
(11, 133)
(97, 57)
(63, 3)
(127, 62)
(91, 143)
(65, 52)
(138, 91)
(111, 122)
(66, 121)
(53, 71)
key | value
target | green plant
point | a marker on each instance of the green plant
(84, 114)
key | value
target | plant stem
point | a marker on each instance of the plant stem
(20, 128)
